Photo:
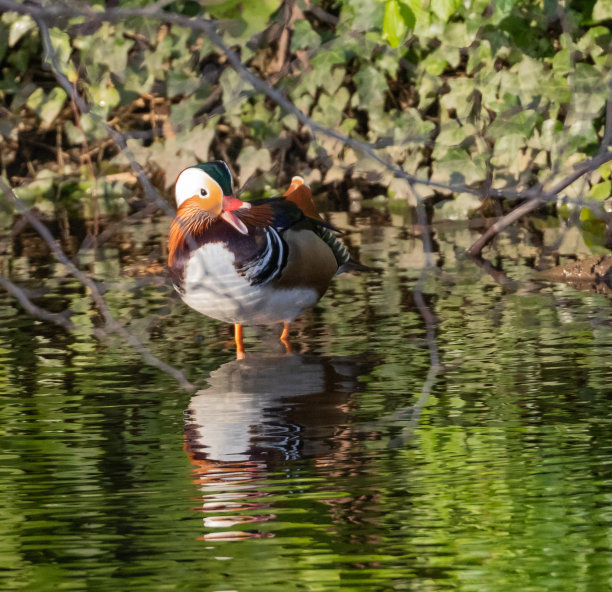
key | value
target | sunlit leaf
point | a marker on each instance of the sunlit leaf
(601, 191)
(444, 9)
(398, 18)
(104, 97)
(602, 10)
(251, 160)
(62, 49)
(459, 167)
(20, 27)
(52, 106)
(507, 149)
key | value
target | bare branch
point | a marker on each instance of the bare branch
(535, 202)
(111, 323)
(61, 319)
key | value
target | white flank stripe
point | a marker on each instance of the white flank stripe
(281, 249)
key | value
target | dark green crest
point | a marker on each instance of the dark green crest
(220, 172)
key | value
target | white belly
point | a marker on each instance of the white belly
(213, 287)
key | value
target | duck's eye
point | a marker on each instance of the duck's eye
(203, 192)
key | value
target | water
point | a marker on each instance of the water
(278, 474)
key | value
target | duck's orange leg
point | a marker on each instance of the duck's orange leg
(238, 340)
(285, 337)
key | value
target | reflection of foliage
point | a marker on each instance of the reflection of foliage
(469, 95)
(507, 478)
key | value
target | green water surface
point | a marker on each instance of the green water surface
(278, 474)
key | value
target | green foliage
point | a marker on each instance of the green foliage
(466, 93)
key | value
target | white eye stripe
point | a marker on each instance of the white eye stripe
(190, 182)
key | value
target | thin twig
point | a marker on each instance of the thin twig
(51, 58)
(111, 323)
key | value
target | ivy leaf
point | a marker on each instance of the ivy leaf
(52, 106)
(458, 208)
(459, 167)
(444, 9)
(251, 160)
(104, 97)
(398, 17)
(602, 10)
(507, 149)
(62, 49)
(304, 36)
(48, 106)
(522, 123)
(601, 191)
(605, 169)
(23, 25)
(452, 134)
(329, 110)
(371, 87)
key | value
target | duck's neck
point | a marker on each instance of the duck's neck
(186, 234)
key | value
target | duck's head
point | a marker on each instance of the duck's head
(207, 190)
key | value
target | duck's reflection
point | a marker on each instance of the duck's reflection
(255, 415)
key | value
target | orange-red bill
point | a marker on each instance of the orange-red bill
(230, 204)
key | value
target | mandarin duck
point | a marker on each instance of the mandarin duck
(250, 263)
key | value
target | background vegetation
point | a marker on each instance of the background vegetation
(472, 100)
(457, 433)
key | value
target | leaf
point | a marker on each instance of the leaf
(361, 14)
(457, 208)
(104, 97)
(602, 10)
(522, 123)
(251, 160)
(605, 169)
(48, 106)
(62, 51)
(459, 167)
(422, 17)
(304, 36)
(589, 90)
(601, 191)
(36, 99)
(444, 9)
(435, 63)
(457, 36)
(502, 9)
(398, 17)
(507, 149)
(562, 63)
(460, 97)
(582, 134)
(329, 110)
(371, 87)
(52, 106)
(182, 83)
(452, 134)
(24, 24)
